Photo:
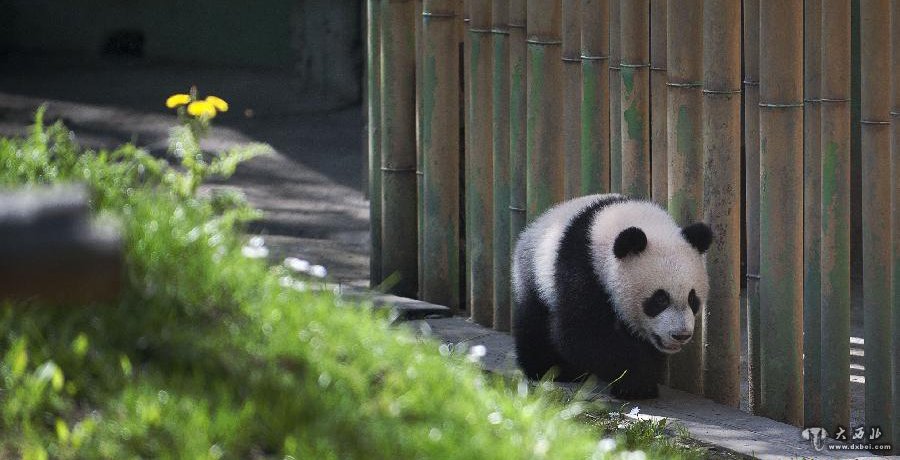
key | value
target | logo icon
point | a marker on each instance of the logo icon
(816, 436)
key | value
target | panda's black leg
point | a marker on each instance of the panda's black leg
(641, 375)
(535, 353)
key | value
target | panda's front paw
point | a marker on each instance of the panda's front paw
(634, 390)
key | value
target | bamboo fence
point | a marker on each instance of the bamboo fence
(528, 102)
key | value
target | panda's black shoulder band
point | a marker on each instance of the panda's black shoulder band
(632, 240)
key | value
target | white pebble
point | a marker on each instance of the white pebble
(297, 265)
(318, 271)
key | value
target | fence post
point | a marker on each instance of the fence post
(420, 167)
(685, 152)
(479, 172)
(373, 110)
(875, 23)
(398, 146)
(544, 146)
(635, 89)
(751, 179)
(501, 141)
(517, 120)
(615, 97)
(895, 207)
(595, 96)
(835, 218)
(721, 197)
(658, 151)
(440, 152)
(781, 208)
(812, 210)
(571, 119)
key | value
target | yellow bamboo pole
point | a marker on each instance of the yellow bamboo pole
(479, 167)
(751, 175)
(635, 90)
(658, 134)
(500, 91)
(544, 138)
(895, 208)
(781, 209)
(812, 210)
(685, 152)
(517, 119)
(895, 205)
(721, 197)
(835, 219)
(398, 147)
(595, 97)
(875, 22)
(440, 153)
(571, 120)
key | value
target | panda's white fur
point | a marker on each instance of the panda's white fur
(668, 262)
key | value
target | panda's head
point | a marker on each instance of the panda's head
(659, 281)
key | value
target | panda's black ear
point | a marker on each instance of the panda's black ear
(699, 235)
(632, 240)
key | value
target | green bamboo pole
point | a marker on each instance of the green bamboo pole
(812, 210)
(517, 120)
(595, 97)
(895, 208)
(751, 175)
(615, 97)
(420, 175)
(685, 153)
(500, 88)
(658, 151)
(835, 226)
(479, 168)
(781, 208)
(440, 152)
(875, 22)
(398, 146)
(635, 95)
(373, 94)
(544, 77)
(721, 197)
(571, 120)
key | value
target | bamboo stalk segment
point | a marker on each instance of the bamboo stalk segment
(615, 97)
(781, 209)
(544, 105)
(835, 219)
(420, 175)
(721, 197)
(751, 175)
(571, 120)
(373, 111)
(875, 21)
(595, 96)
(479, 167)
(658, 135)
(398, 147)
(635, 95)
(517, 119)
(501, 140)
(685, 151)
(812, 210)
(895, 208)
(440, 153)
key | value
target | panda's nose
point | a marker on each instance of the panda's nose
(682, 337)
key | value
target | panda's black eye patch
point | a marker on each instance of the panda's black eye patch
(694, 301)
(656, 303)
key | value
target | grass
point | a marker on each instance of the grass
(209, 354)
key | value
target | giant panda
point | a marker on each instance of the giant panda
(606, 285)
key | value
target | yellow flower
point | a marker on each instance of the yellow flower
(218, 103)
(201, 109)
(176, 100)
